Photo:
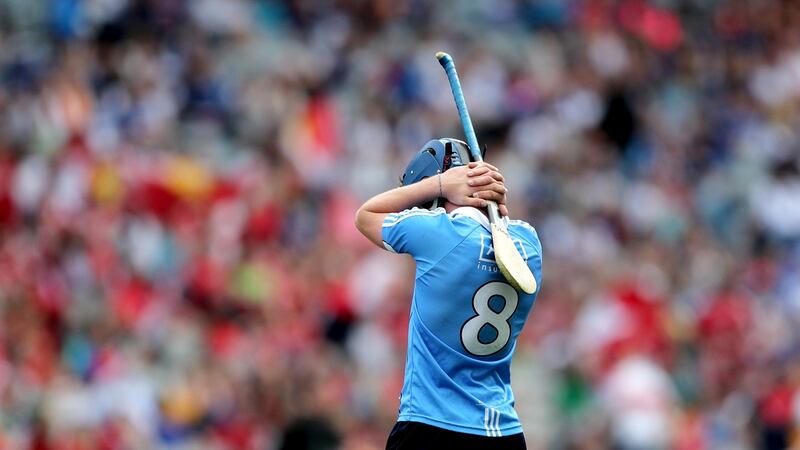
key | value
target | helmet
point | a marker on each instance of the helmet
(437, 156)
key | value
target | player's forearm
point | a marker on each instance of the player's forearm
(402, 198)
(370, 216)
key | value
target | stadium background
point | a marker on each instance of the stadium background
(179, 268)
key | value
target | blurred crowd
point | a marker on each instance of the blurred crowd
(178, 178)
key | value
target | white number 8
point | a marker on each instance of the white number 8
(486, 315)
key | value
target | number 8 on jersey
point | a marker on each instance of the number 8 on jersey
(498, 320)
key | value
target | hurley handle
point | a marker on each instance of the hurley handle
(469, 132)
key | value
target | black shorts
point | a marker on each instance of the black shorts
(421, 436)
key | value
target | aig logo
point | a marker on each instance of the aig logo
(487, 251)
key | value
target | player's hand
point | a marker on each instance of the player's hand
(483, 174)
(474, 184)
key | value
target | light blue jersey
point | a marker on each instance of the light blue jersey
(465, 319)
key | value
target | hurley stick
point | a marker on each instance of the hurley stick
(510, 262)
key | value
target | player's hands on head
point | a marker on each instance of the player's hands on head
(474, 184)
(491, 183)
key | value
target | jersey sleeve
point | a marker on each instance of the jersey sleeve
(419, 232)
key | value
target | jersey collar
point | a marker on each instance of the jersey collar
(476, 215)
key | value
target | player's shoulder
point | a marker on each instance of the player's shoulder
(522, 228)
(398, 217)
(522, 225)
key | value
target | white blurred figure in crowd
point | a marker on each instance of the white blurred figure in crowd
(639, 398)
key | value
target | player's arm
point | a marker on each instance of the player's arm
(470, 185)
